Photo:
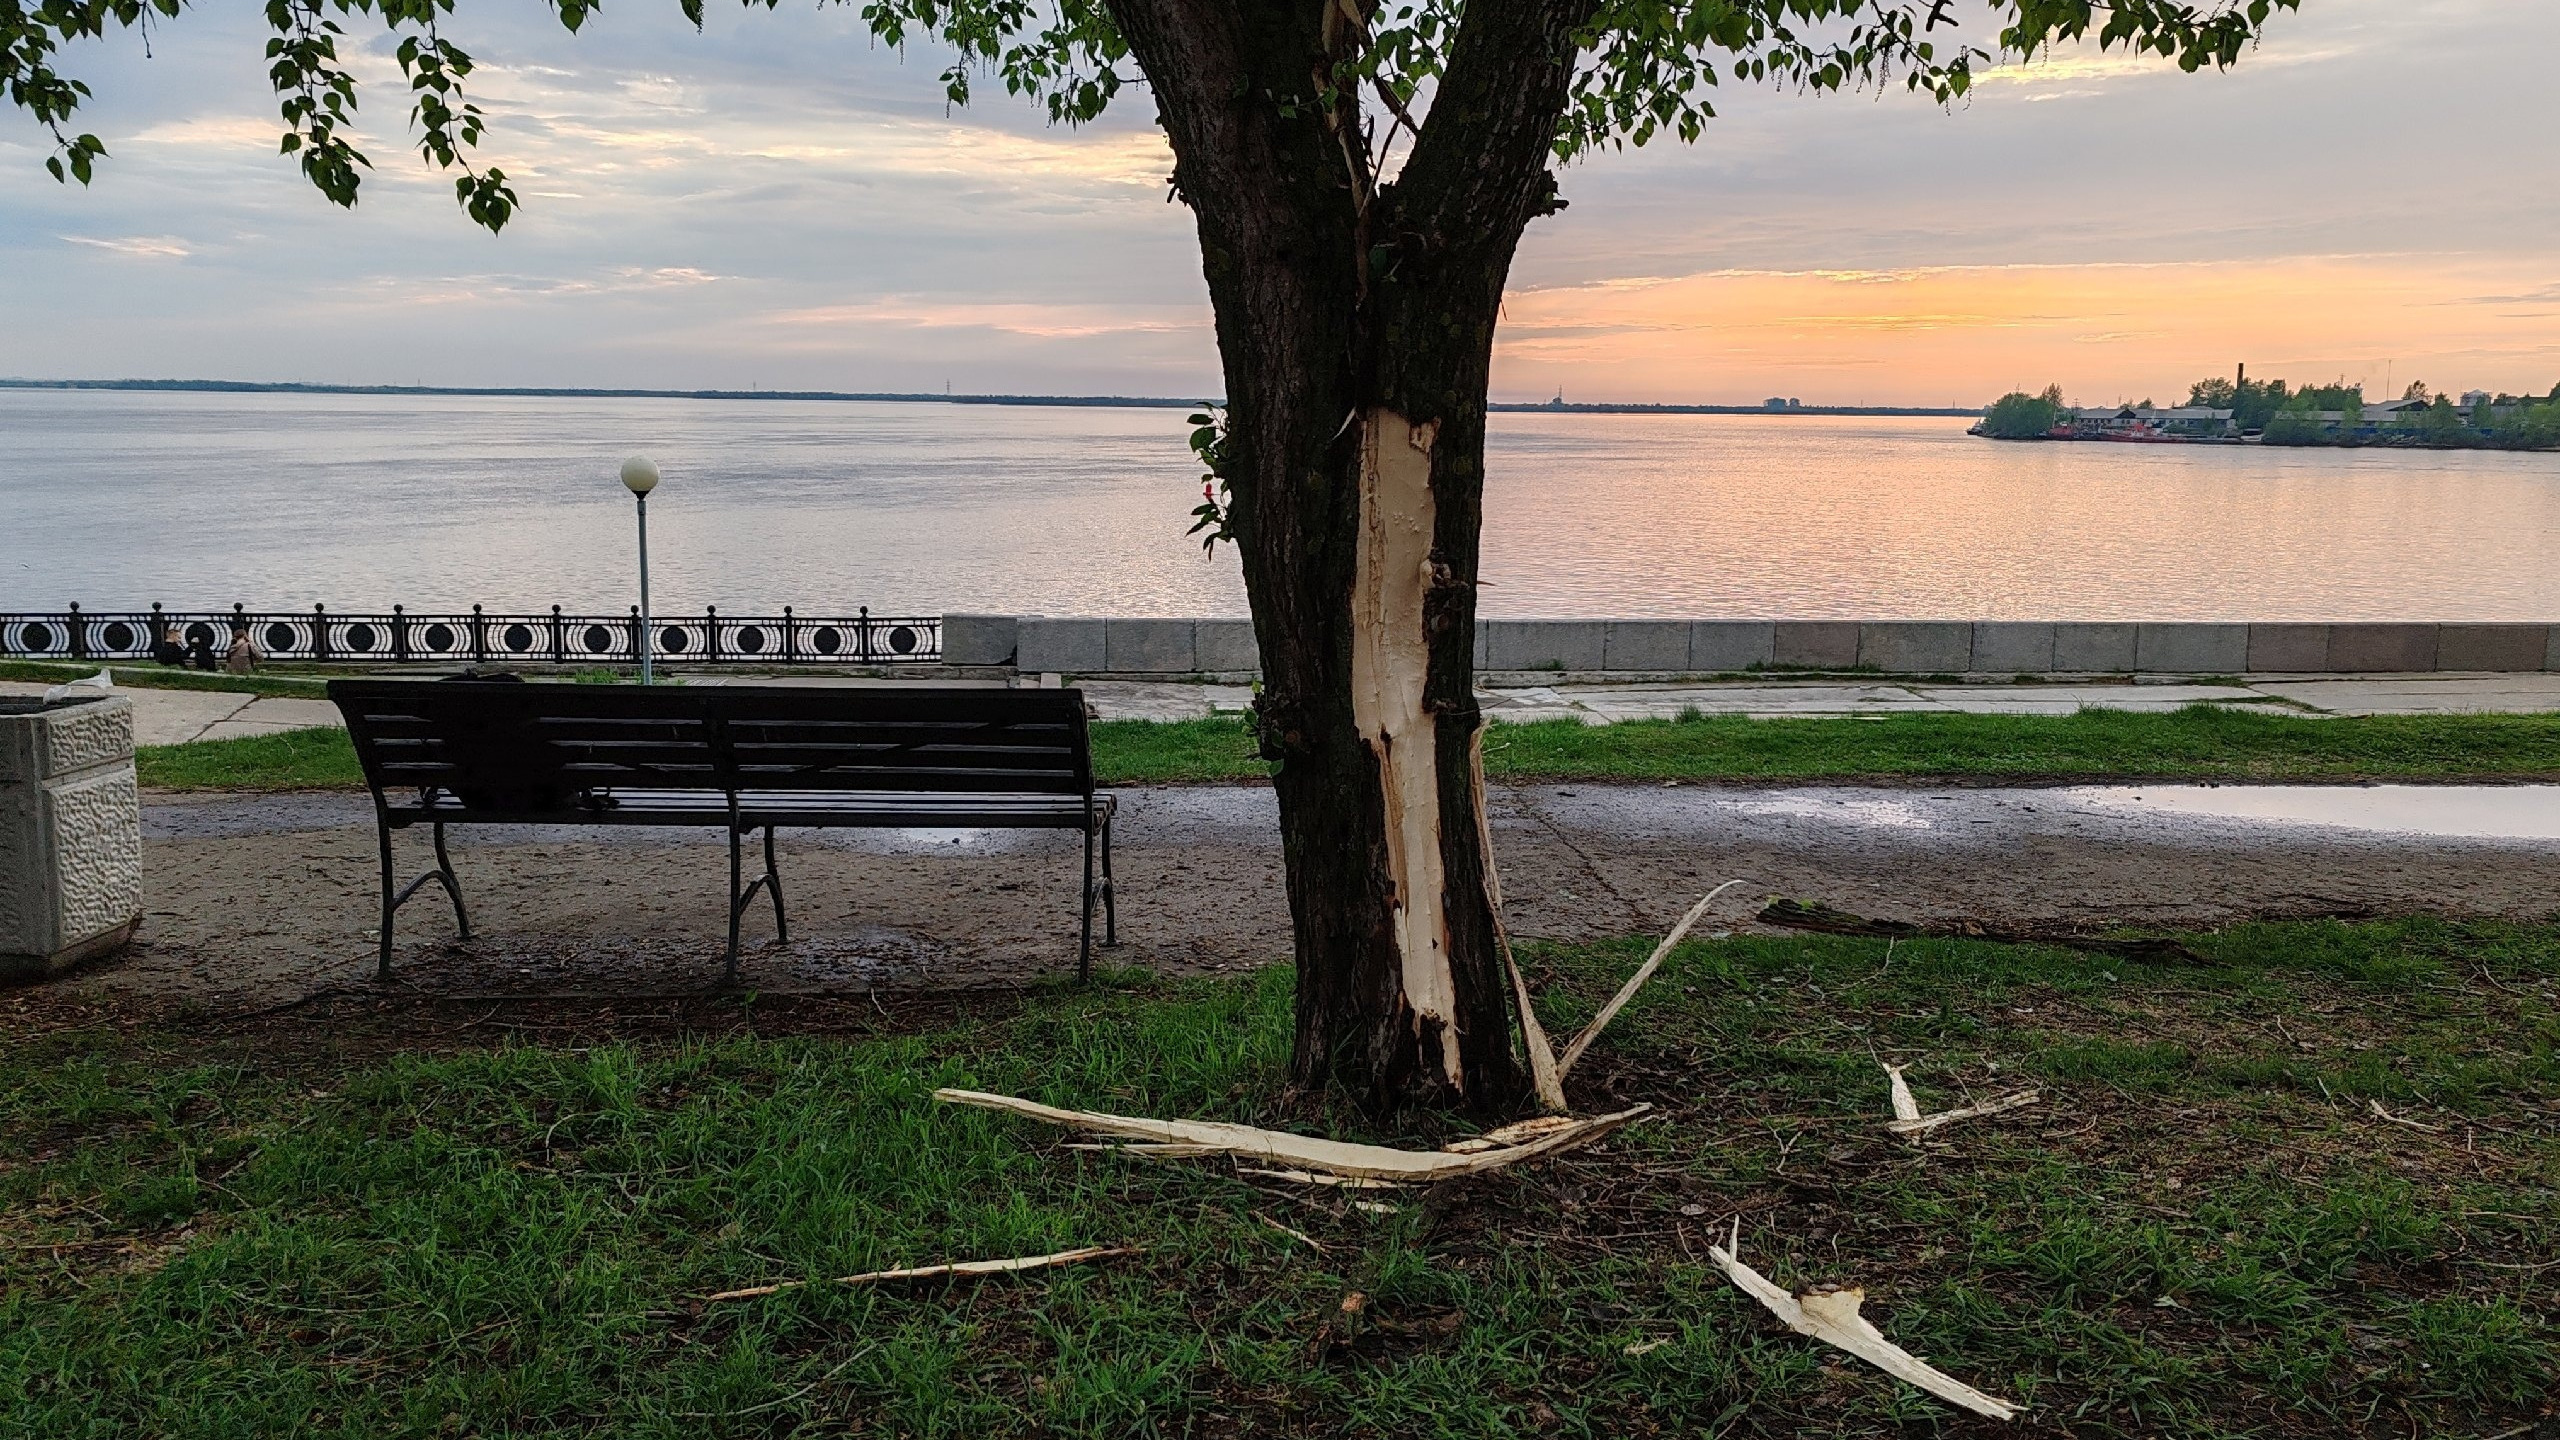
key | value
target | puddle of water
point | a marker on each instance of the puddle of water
(1874, 814)
(2475, 812)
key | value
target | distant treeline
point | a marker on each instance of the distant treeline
(2335, 414)
(2021, 416)
(2338, 415)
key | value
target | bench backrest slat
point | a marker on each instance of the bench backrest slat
(530, 747)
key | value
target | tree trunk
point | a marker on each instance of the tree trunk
(1355, 322)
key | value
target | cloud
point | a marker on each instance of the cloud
(776, 198)
(1046, 322)
(2548, 294)
(147, 247)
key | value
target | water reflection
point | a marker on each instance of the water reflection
(119, 499)
(2477, 812)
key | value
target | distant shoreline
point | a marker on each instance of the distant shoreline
(1124, 402)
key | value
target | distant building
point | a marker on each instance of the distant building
(1774, 402)
(2137, 421)
(2392, 411)
(2476, 400)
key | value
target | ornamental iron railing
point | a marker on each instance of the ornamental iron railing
(323, 636)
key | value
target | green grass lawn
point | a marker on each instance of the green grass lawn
(2199, 743)
(300, 1226)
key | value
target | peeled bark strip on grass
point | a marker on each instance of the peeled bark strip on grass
(2000, 1105)
(1546, 1081)
(1324, 1157)
(1833, 1319)
(1644, 972)
(1909, 1123)
(1905, 1109)
(1546, 1070)
(960, 1270)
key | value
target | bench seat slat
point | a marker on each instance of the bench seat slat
(929, 810)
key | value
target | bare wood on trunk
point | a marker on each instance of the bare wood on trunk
(1390, 670)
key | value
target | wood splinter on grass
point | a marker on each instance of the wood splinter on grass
(2381, 1114)
(1301, 1236)
(1833, 1319)
(1547, 1069)
(962, 1269)
(1302, 1152)
(1909, 1123)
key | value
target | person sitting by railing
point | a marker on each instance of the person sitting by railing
(200, 649)
(242, 658)
(169, 649)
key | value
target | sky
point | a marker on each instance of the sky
(778, 202)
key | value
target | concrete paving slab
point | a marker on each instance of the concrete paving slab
(164, 717)
(2071, 699)
(267, 715)
(1666, 702)
(1163, 699)
(2421, 694)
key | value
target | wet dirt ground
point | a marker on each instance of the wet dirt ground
(255, 900)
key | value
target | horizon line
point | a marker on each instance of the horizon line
(1133, 402)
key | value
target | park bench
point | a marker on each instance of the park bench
(740, 758)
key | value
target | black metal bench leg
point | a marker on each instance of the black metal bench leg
(736, 904)
(1110, 900)
(1084, 946)
(390, 906)
(773, 887)
(394, 896)
(453, 883)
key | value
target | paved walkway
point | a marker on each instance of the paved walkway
(1601, 703)
(172, 717)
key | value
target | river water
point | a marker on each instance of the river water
(117, 499)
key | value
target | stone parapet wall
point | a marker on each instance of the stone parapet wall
(70, 836)
(1089, 645)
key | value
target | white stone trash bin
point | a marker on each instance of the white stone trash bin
(70, 833)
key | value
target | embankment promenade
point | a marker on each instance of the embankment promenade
(1090, 645)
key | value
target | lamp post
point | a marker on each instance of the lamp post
(640, 473)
